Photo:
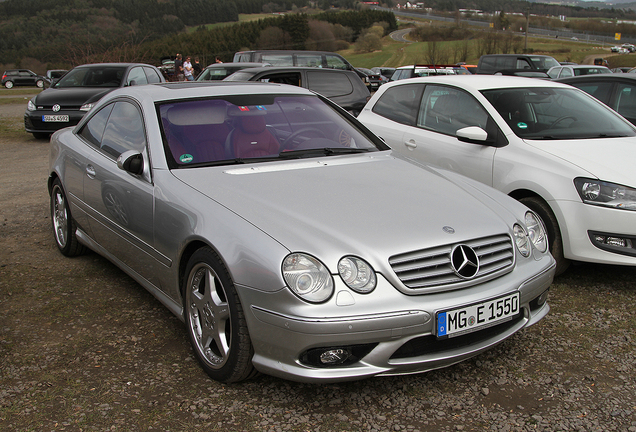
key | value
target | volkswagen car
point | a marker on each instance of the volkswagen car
(291, 240)
(68, 99)
(553, 147)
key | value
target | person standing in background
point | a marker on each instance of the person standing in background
(197, 67)
(187, 69)
(178, 68)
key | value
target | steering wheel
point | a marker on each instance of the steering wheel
(560, 119)
(289, 142)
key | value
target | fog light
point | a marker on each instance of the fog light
(613, 241)
(334, 356)
(542, 298)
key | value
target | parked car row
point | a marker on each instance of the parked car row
(459, 199)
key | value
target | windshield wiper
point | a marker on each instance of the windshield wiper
(323, 151)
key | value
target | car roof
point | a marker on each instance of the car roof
(477, 83)
(97, 65)
(256, 70)
(610, 76)
(235, 64)
(172, 91)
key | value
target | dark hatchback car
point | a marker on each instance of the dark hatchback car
(618, 91)
(372, 79)
(22, 77)
(341, 86)
(67, 100)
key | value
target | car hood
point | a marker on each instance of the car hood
(364, 204)
(71, 95)
(608, 159)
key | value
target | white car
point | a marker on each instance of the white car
(576, 70)
(556, 149)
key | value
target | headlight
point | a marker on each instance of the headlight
(357, 274)
(87, 106)
(597, 192)
(31, 105)
(521, 240)
(536, 232)
(307, 277)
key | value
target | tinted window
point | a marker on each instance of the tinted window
(94, 129)
(523, 64)
(400, 103)
(124, 130)
(626, 100)
(329, 84)
(554, 73)
(92, 77)
(447, 109)
(566, 72)
(136, 77)
(291, 78)
(600, 90)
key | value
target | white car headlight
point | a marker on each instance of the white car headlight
(31, 105)
(521, 240)
(357, 274)
(87, 107)
(536, 232)
(605, 194)
(307, 277)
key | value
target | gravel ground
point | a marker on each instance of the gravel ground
(85, 348)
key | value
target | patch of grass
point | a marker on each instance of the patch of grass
(14, 100)
(11, 127)
(19, 91)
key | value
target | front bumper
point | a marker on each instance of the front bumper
(33, 120)
(580, 221)
(393, 333)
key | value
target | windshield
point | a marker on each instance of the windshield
(92, 77)
(258, 128)
(556, 113)
(239, 76)
(217, 73)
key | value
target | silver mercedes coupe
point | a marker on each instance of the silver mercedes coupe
(291, 240)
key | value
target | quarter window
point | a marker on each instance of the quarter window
(136, 77)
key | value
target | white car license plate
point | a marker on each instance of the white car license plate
(55, 118)
(478, 316)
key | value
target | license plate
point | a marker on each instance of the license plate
(54, 118)
(475, 317)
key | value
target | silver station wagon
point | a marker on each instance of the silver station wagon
(289, 239)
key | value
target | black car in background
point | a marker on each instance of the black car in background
(616, 90)
(341, 86)
(372, 80)
(22, 77)
(67, 100)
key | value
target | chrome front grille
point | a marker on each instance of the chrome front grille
(427, 268)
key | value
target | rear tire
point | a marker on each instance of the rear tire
(555, 240)
(39, 83)
(8, 84)
(215, 320)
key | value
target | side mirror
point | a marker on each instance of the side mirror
(472, 134)
(131, 161)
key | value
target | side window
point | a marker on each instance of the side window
(626, 100)
(554, 73)
(523, 64)
(93, 130)
(447, 110)
(124, 130)
(400, 103)
(282, 78)
(566, 72)
(335, 62)
(136, 77)
(329, 84)
(600, 90)
(152, 75)
(311, 60)
(278, 59)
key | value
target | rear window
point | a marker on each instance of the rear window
(329, 84)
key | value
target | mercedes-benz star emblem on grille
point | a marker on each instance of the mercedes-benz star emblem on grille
(464, 261)
(56, 107)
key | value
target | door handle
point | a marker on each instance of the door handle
(90, 171)
(410, 144)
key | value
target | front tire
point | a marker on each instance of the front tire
(215, 320)
(555, 240)
(39, 83)
(8, 84)
(64, 226)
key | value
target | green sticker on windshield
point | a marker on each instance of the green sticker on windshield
(522, 125)
(186, 158)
